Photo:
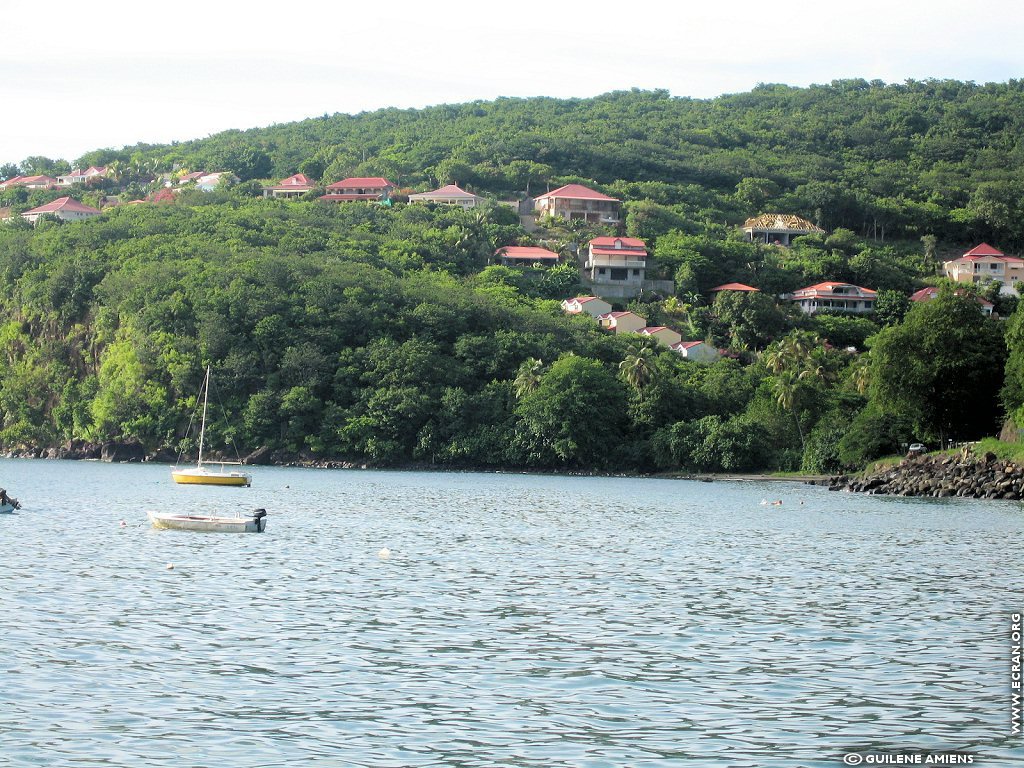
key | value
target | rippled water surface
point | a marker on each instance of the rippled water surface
(519, 621)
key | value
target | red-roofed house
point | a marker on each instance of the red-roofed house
(622, 322)
(294, 186)
(664, 335)
(65, 208)
(450, 194)
(359, 188)
(735, 287)
(697, 351)
(617, 261)
(592, 305)
(929, 293)
(574, 201)
(30, 182)
(78, 176)
(840, 297)
(526, 256)
(982, 264)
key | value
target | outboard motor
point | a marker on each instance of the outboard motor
(258, 516)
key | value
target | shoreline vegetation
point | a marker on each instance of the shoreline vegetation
(398, 333)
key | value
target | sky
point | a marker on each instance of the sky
(85, 76)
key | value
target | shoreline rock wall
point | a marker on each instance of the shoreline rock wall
(940, 476)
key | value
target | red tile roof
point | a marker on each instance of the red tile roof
(297, 180)
(627, 242)
(735, 287)
(685, 344)
(929, 293)
(63, 204)
(826, 289)
(576, 192)
(372, 182)
(984, 250)
(526, 252)
(448, 190)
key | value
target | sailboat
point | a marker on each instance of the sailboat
(201, 474)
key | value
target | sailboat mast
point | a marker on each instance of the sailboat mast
(202, 429)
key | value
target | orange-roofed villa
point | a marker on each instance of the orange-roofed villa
(526, 256)
(450, 194)
(983, 264)
(778, 228)
(838, 297)
(929, 293)
(574, 201)
(735, 287)
(64, 208)
(292, 187)
(356, 188)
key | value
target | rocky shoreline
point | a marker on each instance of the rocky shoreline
(939, 476)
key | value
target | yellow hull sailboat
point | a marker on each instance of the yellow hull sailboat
(202, 474)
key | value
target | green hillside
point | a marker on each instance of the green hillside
(367, 333)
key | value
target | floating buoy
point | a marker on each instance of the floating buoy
(124, 524)
(384, 553)
(170, 566)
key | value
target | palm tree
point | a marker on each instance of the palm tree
(528, 378)
(786, 387)
(860, 376)
(636, 369)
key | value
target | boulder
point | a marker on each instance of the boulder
(122, 452)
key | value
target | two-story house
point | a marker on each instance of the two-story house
(574, 201)
(982, 264)
(618, 261)
(839, 297)
(357, 188)
(294, 186)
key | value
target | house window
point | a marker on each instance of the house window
(600, 270)
(636, 273)
(619, 274)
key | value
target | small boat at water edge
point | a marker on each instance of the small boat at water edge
(256, 523)
(7, 504)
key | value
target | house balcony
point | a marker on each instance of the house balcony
(616, 262)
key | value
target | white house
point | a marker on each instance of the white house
(664, 335)
(616, 261)
(450, 194)
(841, 297)
(697, 351)
(592, 305)
(64, 208)
(294, 186)
(622, 322)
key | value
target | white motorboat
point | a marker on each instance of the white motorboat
(7, 504)
(255, 523)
